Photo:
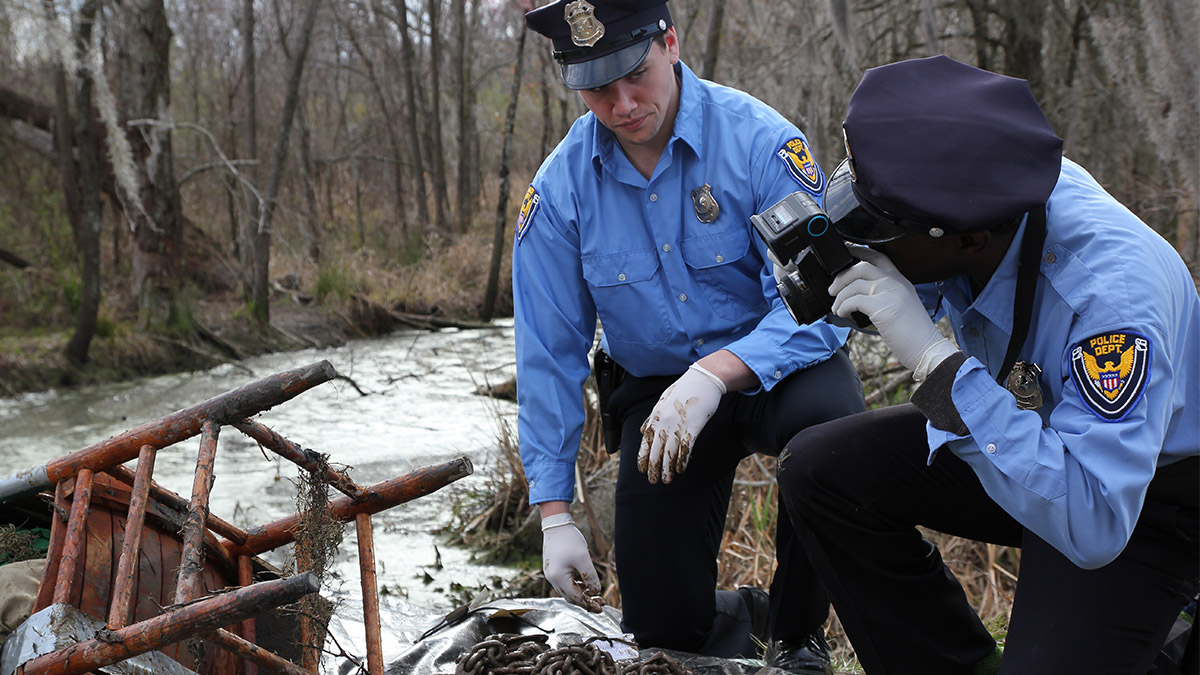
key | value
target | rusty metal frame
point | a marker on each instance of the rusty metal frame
(204, 534)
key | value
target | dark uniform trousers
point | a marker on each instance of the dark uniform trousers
(857, 487)
(668, 536)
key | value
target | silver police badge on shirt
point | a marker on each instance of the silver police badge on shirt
(705, 204)
(1022, 382)
(586, 30)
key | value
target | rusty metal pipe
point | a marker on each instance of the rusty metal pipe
(178, 503)
(252, 653)
(120, 611)
(232, 406)
(191, 565)
(249, 632)
(308, 459)
(200, 617)
(370, 595)
(379, 497)
(72, 555)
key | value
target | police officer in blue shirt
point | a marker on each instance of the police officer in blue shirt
(640, 218)
(1064, 421)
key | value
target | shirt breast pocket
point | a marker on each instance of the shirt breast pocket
(724, 267)
(628, 295)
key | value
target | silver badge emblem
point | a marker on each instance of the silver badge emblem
(586, 30)
(1022, 382)
(849, 156)
(705, 204)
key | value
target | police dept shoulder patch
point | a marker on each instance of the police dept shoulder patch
(529, 207)
(800, 164)
(1111, 371)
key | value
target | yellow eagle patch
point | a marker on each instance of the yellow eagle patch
(1111, 371)
(801, 166)
(529, 207)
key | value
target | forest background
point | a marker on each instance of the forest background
(198, 180)
(185, 183)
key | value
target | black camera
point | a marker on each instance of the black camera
(798, 231)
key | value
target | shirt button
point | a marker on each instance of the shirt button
(621, 276)
(1050, 258)
(720, 258)
(700, 342)
(974, 332)
(778, 374)
(653, 196)
(683, 297)
(667, 247)
(991, 448)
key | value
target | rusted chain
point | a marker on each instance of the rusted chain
(502, 654)
(583, 659)
(514, 654)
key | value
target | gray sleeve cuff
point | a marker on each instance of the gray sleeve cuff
(933, 399)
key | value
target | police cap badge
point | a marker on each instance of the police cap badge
(599, 41)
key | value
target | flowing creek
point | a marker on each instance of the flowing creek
(421, 408)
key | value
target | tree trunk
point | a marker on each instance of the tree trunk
(312, 226)
(412, 111)
(466, 118)
(436, 153)
(510, 117)
(243, 250)
(262, 235)
(1023, 23)
(146, 93)
(712, 47)
(87, 177)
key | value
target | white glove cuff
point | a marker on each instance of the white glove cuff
(704, 371)
(933, 356)
(557, 520)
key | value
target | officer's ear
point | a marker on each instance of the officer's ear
(671, 42)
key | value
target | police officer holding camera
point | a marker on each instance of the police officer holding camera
(640, 218)
(1064, 421)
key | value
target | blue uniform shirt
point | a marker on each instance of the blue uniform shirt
(596, 239)
(1116, 332)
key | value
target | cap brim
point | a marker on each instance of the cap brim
(852, 220)
(605, 69)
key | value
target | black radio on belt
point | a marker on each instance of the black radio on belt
(798, 231)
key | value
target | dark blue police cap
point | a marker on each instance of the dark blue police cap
(939, 146)
(600, 41)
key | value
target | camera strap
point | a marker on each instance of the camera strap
(1028, 269)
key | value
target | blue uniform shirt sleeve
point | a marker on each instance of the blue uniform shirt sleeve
(554, 325)
(778, 347)
(1083, 503)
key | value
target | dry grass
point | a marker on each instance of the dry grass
(503, 521)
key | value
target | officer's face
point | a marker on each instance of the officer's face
(640, 107)
(923, 259)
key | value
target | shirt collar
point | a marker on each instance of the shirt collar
(688, 125)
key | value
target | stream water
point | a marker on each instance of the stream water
(420, 408)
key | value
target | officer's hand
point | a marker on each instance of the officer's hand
(681, 412)
(567, 564)
(875, 288)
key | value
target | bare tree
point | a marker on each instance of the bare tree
(436, 152)
(262, 235)
(144, 53)
(712, 46)
(407, 63)
(510, 117)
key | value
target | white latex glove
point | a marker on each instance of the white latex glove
(876, 288)
(677, 419)
(565, 555)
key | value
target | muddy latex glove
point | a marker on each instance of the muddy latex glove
(876, 288)
(677, 419)
(567, 563)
